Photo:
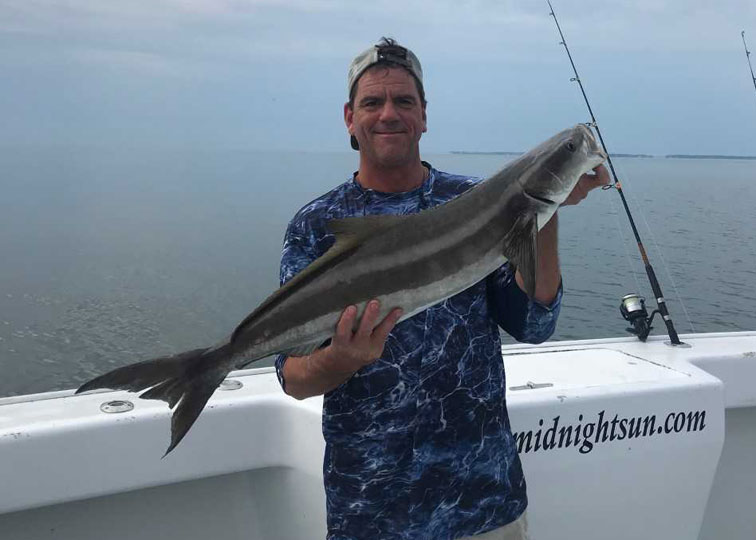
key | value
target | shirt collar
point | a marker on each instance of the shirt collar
(424, 190)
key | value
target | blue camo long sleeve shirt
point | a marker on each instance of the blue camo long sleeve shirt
(418, 443)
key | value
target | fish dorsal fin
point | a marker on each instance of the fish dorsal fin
(521, 246)
(355, 229)
(350, 233)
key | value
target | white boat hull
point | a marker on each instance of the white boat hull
(251, 466)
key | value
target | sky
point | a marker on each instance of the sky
(663, 76)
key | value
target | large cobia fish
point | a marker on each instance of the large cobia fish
(409, 261)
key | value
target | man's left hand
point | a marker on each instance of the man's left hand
(586, 183)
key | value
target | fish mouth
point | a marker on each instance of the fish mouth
(539, 198)
(594, 149)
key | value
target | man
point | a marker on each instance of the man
(418, 441)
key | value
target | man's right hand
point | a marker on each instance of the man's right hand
(349, 351)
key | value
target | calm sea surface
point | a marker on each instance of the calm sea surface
(109, 257)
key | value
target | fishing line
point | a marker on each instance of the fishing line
(631, 195)
(631, 263)
(630, 260)
(660, 302)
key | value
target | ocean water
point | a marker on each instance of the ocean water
(110, 256)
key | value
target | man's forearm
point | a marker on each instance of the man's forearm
(548, 275)
(349, 351)
(304, 379)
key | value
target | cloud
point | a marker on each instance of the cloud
(637, 56)
(456, 29)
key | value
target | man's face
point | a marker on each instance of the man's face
(388, 117)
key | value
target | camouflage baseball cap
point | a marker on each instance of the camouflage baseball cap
(387, 50)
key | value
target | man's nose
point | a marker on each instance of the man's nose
(389, 112)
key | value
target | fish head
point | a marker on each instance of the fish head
(560, 161)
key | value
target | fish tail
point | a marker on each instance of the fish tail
(184, 381)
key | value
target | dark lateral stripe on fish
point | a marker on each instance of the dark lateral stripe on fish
(441, 226)
(414, 274)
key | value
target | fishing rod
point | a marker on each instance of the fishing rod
(633, 306)
(748, 57)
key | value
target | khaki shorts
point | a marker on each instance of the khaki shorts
(517, 530)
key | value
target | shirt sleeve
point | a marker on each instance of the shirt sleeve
(298, 252)
(526, 320)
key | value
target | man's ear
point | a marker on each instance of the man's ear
(348, 116)
(425, 120)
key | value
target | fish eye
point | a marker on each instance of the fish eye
(570, 146)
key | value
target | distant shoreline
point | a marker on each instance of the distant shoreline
(644, 156)
(704, 156)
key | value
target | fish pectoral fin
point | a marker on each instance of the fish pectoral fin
(521, 246)
(306, 349)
